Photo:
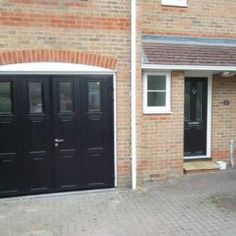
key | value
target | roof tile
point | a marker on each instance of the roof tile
(179, 54)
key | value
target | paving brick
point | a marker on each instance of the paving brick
(183, 206)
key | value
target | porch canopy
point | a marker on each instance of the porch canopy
(181, 53)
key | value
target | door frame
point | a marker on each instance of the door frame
(45, 68)
(208, 75)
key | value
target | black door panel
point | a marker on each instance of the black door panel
(98, 131)
(10, 143)
(67, 147)
(195, 116)
(36, 133)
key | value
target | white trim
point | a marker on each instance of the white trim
(209, 111)
(133, 95)
(158, 109)
(177, 3)
(115, 130)
(51, 68)
(196, 157)
(188, 67)
(25, 68)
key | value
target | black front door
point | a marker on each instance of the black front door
(56, 133)
(195, 117)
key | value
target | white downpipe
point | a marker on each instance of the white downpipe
(133, 93)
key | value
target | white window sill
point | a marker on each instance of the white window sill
(157, 112)
(174, 5)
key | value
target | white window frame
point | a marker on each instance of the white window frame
(157, 109)
(178, 3)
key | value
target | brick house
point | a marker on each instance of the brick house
(97, 94)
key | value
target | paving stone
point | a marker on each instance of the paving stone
(191, 205)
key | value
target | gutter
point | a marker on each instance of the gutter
(188, 67)
(133, 95)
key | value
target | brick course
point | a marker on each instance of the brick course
(47, 55)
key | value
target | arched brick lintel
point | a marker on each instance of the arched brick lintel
(64, 56)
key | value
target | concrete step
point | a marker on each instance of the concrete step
(192, 167)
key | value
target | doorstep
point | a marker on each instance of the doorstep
(192, 167)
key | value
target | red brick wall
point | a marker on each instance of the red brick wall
(202, 18)
(223, 116)
(89, 32)
(162, 138)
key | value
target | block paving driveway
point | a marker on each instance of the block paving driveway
(202, 204)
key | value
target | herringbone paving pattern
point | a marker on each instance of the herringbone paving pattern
(184, 206)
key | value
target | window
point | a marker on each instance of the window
(179, 3)
(94, 96)
(66, 93)
(156, 93)
(35, 97)
(5, 97)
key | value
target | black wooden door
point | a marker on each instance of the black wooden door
(11, 158)
(97, 116)
(67, 132)
(36, 130)
(56, 133)
(83, 131)
(195, 117)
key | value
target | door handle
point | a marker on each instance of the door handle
(59, 140)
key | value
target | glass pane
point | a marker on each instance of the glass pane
(199, 101)
(65, 90)
(156, 82)
(5, 97)
(94, 96)
(156, 99)
(35, 97)
(187, 101)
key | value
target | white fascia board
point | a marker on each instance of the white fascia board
(51, 68)
(188, 67)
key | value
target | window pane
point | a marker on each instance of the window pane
(5, 97)
(199, 101)
(156, 99)
(187, 101)
(94, 96)
(156, 82)
(65, 90)
(35, 97)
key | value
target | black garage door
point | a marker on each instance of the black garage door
(56, 133)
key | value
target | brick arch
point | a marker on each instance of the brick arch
(50, 55)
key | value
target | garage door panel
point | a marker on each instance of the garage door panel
(10, 152)
(36, 129)
(95, 130)
(38, 174)
(94, 162)
(66, 170)
(8, 135)
(37, 134)
(9, 176)
(67, 135)
(98, 139)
